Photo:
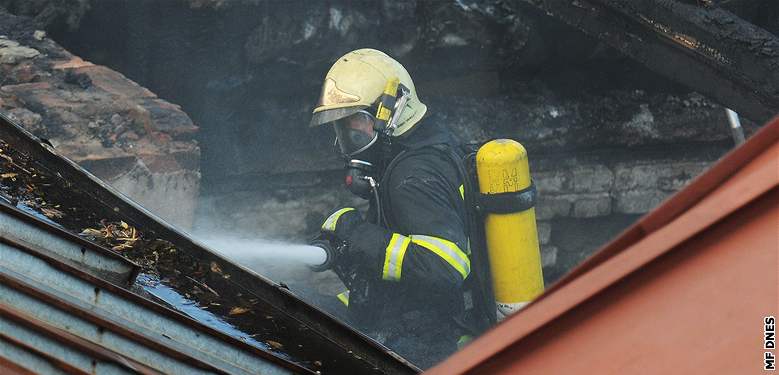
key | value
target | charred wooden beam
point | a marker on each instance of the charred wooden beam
(703, 47)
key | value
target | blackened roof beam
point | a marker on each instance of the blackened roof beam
(704, 47)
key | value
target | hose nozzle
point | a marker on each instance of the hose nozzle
(329, 256)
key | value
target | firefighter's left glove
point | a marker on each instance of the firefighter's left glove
(342, 223)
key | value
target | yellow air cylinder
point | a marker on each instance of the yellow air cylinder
(512, 237)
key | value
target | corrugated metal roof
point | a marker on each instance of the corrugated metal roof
(40, 347)
(60, 313)
(64, 246)
(683, 290)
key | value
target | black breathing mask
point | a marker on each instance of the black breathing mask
(358, 134)
(357, 140)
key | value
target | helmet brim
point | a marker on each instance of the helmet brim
(330, 115)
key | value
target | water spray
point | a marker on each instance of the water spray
(269, 252)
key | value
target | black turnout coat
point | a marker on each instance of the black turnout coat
(416, 259)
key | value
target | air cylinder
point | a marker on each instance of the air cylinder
(507, 198)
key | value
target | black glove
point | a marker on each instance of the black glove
(342, 223)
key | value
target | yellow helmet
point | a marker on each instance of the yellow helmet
(356, 82)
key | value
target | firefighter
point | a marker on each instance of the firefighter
(410, 249)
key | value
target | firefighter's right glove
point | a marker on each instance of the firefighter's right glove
(342, 223)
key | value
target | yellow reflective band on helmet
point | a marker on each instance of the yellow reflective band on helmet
(383, 114)
(344, 298)
(393, 259)
(330, 222)
(447, 250)
(390, 90)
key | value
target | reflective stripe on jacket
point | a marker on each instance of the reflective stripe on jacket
(447, 250)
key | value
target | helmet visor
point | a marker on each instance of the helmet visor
(355, 133)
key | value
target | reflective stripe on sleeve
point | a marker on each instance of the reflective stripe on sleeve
(462, 192)
(344, 298)
(447, 250)
(393, 259)
(330, 222)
